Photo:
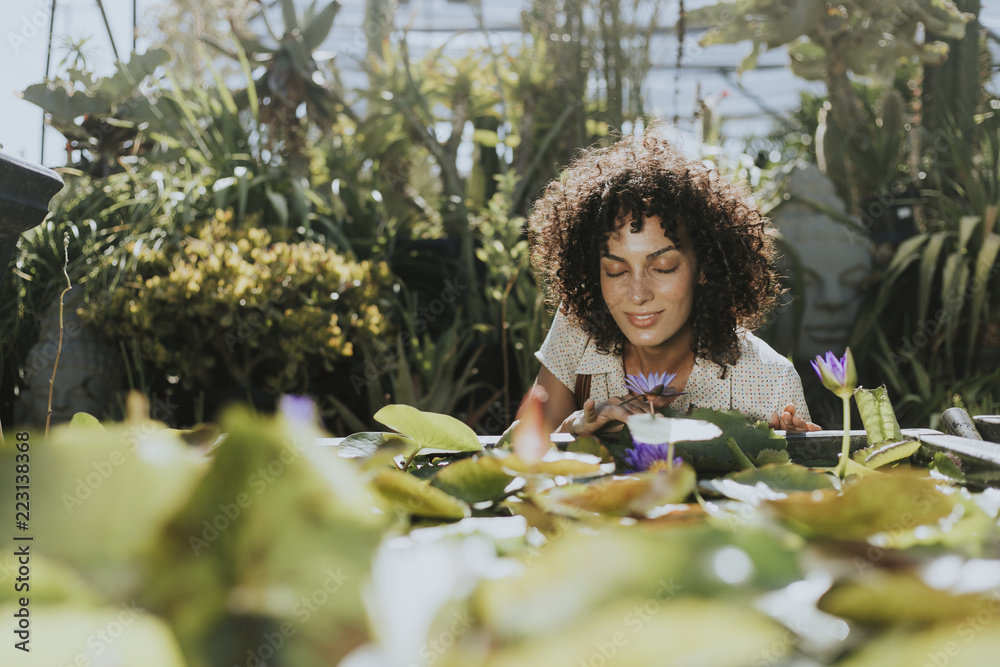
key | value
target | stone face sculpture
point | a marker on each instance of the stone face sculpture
(833, 261)
(25, 191)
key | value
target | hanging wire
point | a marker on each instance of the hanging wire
(681, 30)
(107, 26)
(48, 65)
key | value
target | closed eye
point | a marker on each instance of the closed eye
(666, 270)
(614, 275)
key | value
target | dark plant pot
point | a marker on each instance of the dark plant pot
(889, 216)
(25, 191)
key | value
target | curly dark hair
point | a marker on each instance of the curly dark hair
(639, 177)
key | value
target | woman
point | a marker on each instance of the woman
(658, 266)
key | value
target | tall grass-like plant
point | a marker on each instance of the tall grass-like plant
(930, 312)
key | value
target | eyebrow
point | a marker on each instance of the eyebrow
(652, 255)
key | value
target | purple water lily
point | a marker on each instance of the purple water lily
(298, 408)
(650, 386)
(653, 384)
(641, 457)
(840, 377)
(838, 374)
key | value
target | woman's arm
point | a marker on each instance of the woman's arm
(557, 400)
(560, 411)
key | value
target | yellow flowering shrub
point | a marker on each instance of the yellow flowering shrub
(217, 301)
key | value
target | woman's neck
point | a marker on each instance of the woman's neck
(672, 356)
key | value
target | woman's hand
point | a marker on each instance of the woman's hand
(790, 422)
(611, 413)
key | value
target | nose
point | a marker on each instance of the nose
(639, 290)
(832, 296)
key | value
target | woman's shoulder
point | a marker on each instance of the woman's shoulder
(565, 336)
(755, 354)
(563, 349)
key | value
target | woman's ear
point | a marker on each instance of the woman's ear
(701, 277)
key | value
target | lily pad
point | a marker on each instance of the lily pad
(125, 635)
(473, 480)
(881, 503)
(947, 467)
(588, 444)
(884, 596)
(884, 454)
(418, 497)
(631, 495)
(686, 629)
(784, 477)
(714, 454)
(363, 445)
(557, 464)
(142, 473)
(659, 430)
(429, 429)
(772, 456)
(85, 420)
(951, 643)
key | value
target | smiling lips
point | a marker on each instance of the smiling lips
(643, 320)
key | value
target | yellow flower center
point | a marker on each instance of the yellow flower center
(660, 466)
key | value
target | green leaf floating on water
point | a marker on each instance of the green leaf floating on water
(429, 430)
(754, 440)
(142, 473)
(880, 503)
(418, 497)
(952, 643)
(631, 495)
(886, 596)
(129, 634)
(877, 415)
(556, 464)
(783, 477)
(85, 420)
(947, 467)
(363, 445)
(886, 453)
(714, 454)
(679, 631)
(588, 444)
(473, 480)
(772, 456)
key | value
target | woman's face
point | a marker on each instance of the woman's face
(648, 283)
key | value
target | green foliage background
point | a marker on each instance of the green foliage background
(419, 289)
